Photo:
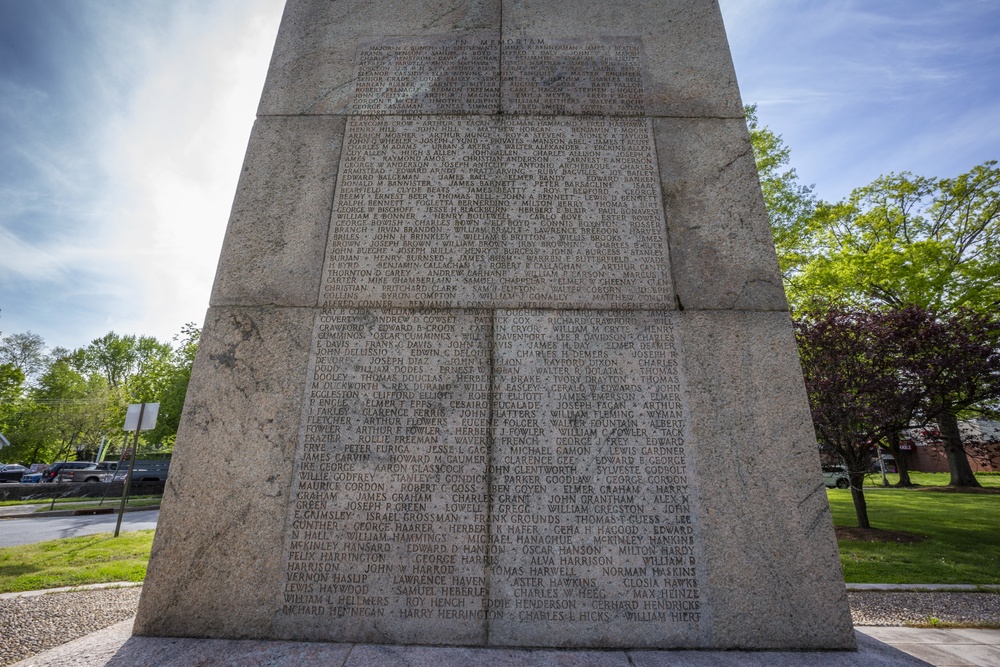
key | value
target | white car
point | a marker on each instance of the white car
(836, 476)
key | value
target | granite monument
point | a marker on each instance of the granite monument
(498, 352)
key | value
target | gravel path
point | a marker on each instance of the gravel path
(892, 608)
(37, 623)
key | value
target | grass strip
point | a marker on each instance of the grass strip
(110, 503)
(79, 499)
(75, 561)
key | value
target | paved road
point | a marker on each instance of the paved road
(27, 531)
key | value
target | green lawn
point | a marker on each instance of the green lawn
(75, 561)
(112, 503)
(962, 532)
(932, 479)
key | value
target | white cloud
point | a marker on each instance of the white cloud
(175, 157)
(20, 260)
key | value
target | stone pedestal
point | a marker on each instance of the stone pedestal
(498, 353)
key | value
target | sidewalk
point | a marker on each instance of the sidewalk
(943, 647)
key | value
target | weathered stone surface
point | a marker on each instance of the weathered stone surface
(315, 61)
(426, 75)
(595, 537)
(273, 250)
(769, 548)
(497, 212)
(219, 543)
(688, 70)
(590, 75)
(388, 530)
(721, 251)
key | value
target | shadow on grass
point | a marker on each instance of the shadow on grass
(18, 570)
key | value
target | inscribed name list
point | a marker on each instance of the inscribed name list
(541, 75)
(387, 533)
(592, 491)
(488, 211)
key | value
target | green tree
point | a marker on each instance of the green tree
(11, 383)
(902, 240)
(174, 388)
(161, 376)
(25, 352)
(64, 412)
(790, 205)
(113, 356)
(911, 240)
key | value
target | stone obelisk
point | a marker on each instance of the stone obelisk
(498, 352)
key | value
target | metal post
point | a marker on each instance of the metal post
(881, 462)
(131, 465)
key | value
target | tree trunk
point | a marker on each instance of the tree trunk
(958, 461)
(897, 455)
(858, 496)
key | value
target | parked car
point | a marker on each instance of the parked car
(836, 476)
(95, 472)
(55, 469)
(12, 472)
(31, 478)
(144, 471)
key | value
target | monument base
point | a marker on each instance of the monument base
(113, 647)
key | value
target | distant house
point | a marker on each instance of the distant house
(923, 451)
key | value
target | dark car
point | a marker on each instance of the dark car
(52, 473)
(12, 472)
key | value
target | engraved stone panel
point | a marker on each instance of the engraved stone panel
(497, 212)
(388, 510)
(314, 64)
(443, 74)
(573, 76)
(686, 74)
(594, 540)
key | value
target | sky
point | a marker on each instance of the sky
(123, 125)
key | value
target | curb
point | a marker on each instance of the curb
(70, 589)
(926, 588)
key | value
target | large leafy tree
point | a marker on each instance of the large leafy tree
(902, 240)
(66, 412)
(790, 205)
(80, 396)
(906, 239)
(11, 382)
(163, 379)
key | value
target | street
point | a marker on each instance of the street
(27, 531)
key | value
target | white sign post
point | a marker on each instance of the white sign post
(140, 417)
